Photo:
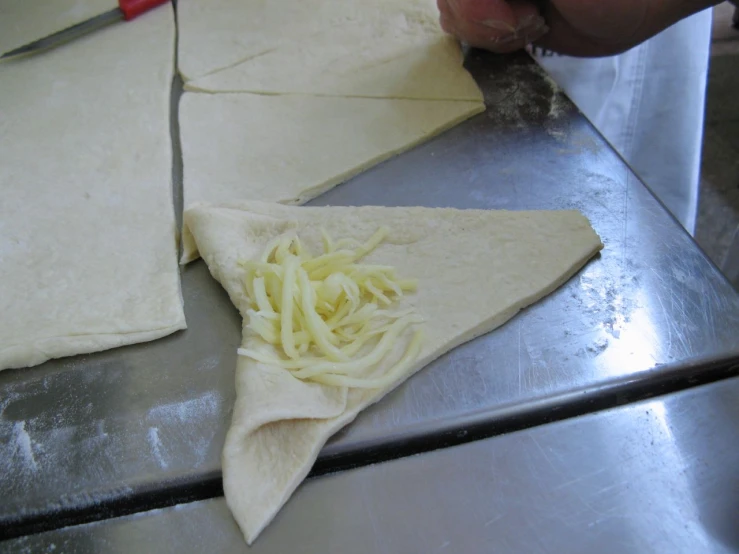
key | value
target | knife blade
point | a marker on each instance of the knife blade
(127, 10)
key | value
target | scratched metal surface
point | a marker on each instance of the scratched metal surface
(87, 431)
(656, 476)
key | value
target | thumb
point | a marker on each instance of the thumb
(497, 25)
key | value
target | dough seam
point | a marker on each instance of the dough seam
(108, 334)
(197, 90)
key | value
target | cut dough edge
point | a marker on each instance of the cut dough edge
(277, 442)
(435, 72)
(35, 352)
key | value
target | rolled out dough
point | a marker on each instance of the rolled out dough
(310, 92)
(476, 270)
(289, 148)
(23, 21)
(380, 48)
(87, 230)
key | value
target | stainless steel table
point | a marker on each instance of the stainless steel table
(657, 476)
(139, 427)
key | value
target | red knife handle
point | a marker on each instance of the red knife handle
(134, 8)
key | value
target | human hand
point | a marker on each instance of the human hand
(573, 27)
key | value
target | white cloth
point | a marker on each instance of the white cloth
(649, 104)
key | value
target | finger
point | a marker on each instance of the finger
(447, 25)
(492, 24)
(477, 11)
(483, 36)
(524, 13)
(506, 16)
(505, 44)
(444, 9)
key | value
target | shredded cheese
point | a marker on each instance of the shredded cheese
(321, 312)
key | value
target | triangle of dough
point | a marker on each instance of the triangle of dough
(290, 149)
(218, 34)
(384, 49)
(476, 270)
(382, 62)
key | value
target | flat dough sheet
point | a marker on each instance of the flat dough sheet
(290, 149)
(310, 92)
(378, 48)
(23, 21)
(476, 270)
(87, 229)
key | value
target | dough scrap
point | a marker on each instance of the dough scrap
(290, 149)
(87, 231)
(476, 270)
(382, 49)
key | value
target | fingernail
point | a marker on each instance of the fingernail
(535, 27)
(531, 23)
(532, 29)
(507, 39)
(528, 21)
(498, 25)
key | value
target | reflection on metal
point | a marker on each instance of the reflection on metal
(637, 341)
(656, 476)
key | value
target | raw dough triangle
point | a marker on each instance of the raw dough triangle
(290, 149)
(218, 34)
(383, 49)
(476, 269)
(381, 63)
(310, 92)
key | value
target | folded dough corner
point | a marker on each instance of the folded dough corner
(476, 270)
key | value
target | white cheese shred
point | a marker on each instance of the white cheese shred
(322, 314)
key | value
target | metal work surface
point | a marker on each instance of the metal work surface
(656, 476)
(104, 434)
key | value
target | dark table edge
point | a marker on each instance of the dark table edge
(616, 393)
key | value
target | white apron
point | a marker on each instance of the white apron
(649, 104)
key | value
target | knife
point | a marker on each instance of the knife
(127, 10)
